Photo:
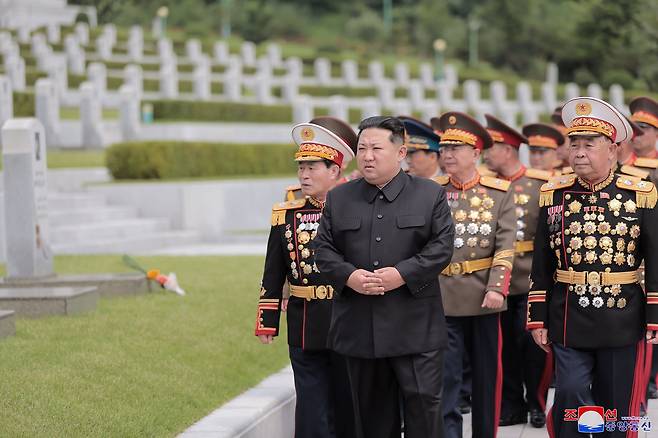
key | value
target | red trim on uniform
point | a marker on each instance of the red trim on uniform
(499, 379)
(648, 355)
(549, 423)
(545, 381)
(534, 325)
(652, 326)
(506, 282)
(636, 392)
(514, 176)
(304, 326)
(537, 299)
(653, 300)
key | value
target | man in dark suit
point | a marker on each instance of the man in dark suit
(382, 242)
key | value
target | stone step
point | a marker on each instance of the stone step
(38, 302)
(108, 230)
(7, 323)
(79, 216)
(136, 244)
(62, 201)
(108, 285)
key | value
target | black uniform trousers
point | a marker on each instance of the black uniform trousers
(376, 388)
(607, 377)
(323, 408)
(523, 362)
(480, 337)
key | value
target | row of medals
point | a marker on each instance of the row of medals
(479, 213)
(305, 232)
(592, 215)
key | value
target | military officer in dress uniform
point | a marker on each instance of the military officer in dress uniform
(644, 112)
(543, 141)
(383, 240)
(562, 163)
(523, 361)
(422, 148)
(586, 302)
(476, 282)
(323, 407)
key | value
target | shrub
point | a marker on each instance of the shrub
(220, 111)
(167, 160)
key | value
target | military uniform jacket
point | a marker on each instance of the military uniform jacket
(525, 191)
(590, 232)
(405, 225)
(289, 256)
(648, 165)
(485, 228)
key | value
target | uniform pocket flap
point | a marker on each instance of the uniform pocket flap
(409, 220)
(348, 223)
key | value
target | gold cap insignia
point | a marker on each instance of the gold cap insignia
(307, 134)
(452, 120)
(583, 109)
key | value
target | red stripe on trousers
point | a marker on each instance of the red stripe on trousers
(638, 380)
(545, 380)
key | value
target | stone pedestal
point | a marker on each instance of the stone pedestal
(42, 302)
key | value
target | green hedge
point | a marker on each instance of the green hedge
(197, 111)
(169, 160)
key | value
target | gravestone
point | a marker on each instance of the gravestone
(302, 109)
(416, 94)
(385, 92)
(110, 31)
(103, 47)
(47, 109)
(549, 96)
(427, 75)
(264, 89)
(15, 69)
(401, 107)
(97, 74)
(429, 110)
(58, 72)
(75, 55)
(274, 55)
(594, 90)
(91, 116)
(290, 88)
(82, 32)
(401, 73)
(156, 28)
(165, 50)
(26, 199)
(444, 95)
(6, 100)
(375, 72)
(233, 85)
(129, 113)
(220, 52)
(193, 49)
(263, 67)
(350, 71)
(472, 93)
(552, 73)
(133, 78)
(616, 96)
(248, 53)
(524, 100)
(136, 43)
(450, 76)
(23, 35)
(571, 90)
(498, 93)
(201, 78)
(338, 107)
(294, 66)
(168, 81)
(322, 68)
(52, 30)
(370, 107)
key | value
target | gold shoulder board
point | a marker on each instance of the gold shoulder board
(494, 183)
(651, 163)
(279, 210)
(485, 171)
(556, 182)
(441, 179)
(538, 174)
(634, 171)
(645, 192)
(566, 170)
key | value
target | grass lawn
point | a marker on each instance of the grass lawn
(145, 366)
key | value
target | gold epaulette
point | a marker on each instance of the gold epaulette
(538, 174)
(292, 190)
(555, 183)
(494, 183)
(485, 171)
(650, 163)
(441, 179)
(634, 171)
(645, 192)
(279, 210)
(566, 170)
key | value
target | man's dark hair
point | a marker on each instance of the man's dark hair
(393, 124)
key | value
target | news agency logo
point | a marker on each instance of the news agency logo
(596, 419)
(590, 419)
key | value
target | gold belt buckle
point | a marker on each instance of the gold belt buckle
(455, 268)
(594, 278)
(321, 292)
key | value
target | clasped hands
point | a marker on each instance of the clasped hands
(377, 282)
